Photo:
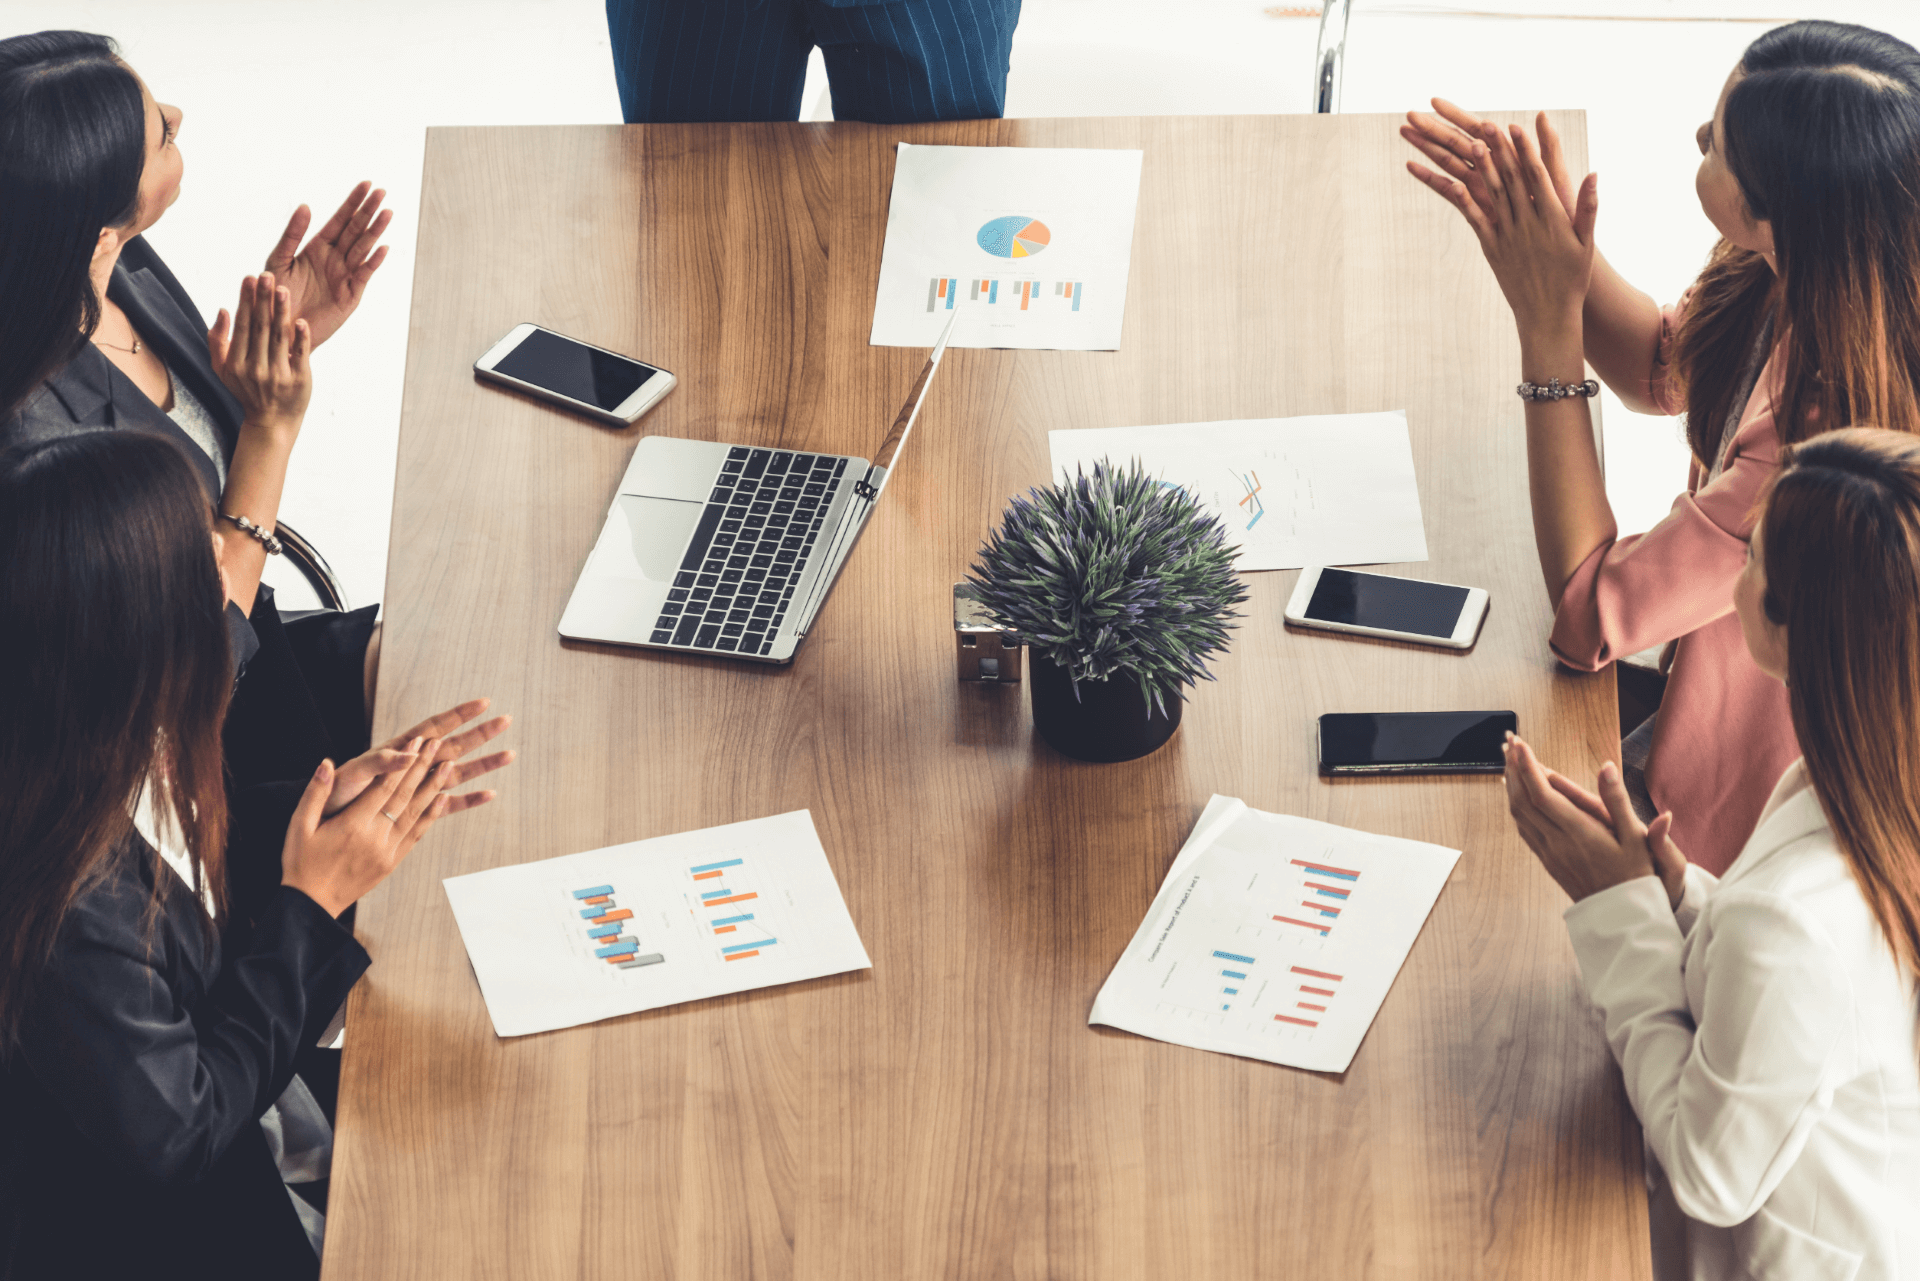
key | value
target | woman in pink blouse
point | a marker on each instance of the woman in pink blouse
(1807, 317)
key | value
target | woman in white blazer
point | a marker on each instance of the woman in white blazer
(1765, 1021)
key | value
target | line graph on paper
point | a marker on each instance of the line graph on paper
(1326, 490)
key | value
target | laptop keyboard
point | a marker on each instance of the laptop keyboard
(753, 540)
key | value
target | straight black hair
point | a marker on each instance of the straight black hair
(73, 143)
(114, 675)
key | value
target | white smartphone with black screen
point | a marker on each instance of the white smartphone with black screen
(602, 384)
(1404, 609)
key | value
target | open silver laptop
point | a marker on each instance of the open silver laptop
(729, 549)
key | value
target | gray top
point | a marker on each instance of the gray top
(191, 416)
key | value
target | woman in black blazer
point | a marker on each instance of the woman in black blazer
(151, 1013)
(102, 336)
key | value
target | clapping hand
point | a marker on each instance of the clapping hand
(1535, 229)
(328, 276)
(262, 356)
(400, 752)
(1588, 843)
(353, 825)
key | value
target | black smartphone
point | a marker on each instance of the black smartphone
(1414, 742)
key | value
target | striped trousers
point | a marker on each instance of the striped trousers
(899, 63)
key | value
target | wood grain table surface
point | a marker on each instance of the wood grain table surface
(949, 1114)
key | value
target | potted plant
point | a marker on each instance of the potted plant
(1121, 586)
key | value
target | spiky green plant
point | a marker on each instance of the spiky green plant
(1113, 572)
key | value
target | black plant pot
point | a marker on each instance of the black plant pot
(1108, 722)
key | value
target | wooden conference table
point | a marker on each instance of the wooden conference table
(950, 1114)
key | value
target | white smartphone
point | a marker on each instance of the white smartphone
(1405, 609)
(602, 384)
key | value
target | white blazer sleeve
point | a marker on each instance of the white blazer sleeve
(1696, 885)
(1727, 1105)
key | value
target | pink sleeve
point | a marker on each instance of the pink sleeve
(1647, 589)
(1660, 386)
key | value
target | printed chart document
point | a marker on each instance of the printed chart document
(1031, 243)
(1324, 489)
(584, 937)
(1274, 938)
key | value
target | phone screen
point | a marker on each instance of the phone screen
(574, 370)
(1435, 742)
(1390, 604)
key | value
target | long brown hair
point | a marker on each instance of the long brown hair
(1840, 538)
(114, 674)
(1823, 136)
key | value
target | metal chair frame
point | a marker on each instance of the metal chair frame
(313, 567)
(1329, 54)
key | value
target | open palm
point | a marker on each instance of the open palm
(327, 277)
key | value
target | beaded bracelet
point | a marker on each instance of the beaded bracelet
(1555, 390)
(245, 526)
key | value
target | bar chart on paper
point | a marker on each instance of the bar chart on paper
(654, 923)
(609, 935)
(1275, 938)
(731, 913)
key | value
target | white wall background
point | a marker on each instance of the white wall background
(288, 102)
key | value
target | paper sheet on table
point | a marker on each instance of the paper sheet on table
(1031, 244)
(584, 937)
(1323, 489)
(1274, 938)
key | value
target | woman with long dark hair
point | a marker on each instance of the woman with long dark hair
(1765, 1020)
(152, 1014)
(1806, 318)
(97, 334)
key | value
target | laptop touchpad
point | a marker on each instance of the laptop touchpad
(660, 528)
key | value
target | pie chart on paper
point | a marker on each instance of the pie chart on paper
(1017, 236)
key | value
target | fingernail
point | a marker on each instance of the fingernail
(324, 772)
(414, 746)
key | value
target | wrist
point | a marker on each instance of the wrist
(318, 895)
(1553, 350)
(1556, 328)
(274, 429)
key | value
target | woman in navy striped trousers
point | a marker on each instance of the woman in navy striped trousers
(888, 63)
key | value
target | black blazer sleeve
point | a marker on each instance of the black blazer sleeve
(158, 1075)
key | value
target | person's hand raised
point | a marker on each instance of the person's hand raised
(1536, 230)
(1587, 843)
(334, 861)
(354, 777)
(327, 277)
(261, 356)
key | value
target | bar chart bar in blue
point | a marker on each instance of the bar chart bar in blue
(588, 913)
(593, 891)
(708, 867)
(1230, 956)
(618, 949)
(1233, 974)
(747, 947)
(719, 893)
(605, 931)
(733, 920)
